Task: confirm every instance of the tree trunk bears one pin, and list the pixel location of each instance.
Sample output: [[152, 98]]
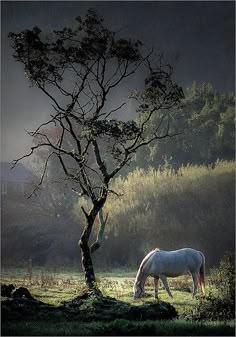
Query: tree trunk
[[87, 264], [86, 258]]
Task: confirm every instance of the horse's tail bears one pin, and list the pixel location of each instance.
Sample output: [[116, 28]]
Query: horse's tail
[[202, 275]]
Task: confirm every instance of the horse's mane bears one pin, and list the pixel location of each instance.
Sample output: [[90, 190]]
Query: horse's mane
[[147, 257]]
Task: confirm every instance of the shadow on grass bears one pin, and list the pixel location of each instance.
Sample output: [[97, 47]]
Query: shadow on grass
[[119, 327], [86, 307]]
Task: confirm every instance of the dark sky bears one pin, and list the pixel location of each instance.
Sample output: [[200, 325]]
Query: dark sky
[[201, 33]]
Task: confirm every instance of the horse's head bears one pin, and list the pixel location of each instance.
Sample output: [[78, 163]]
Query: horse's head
[[138, 290]]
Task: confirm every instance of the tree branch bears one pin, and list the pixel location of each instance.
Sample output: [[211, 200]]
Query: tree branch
[[99, 161], [98, 241], [42, 177]]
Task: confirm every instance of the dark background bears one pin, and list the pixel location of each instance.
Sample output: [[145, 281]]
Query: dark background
[[197, 37]]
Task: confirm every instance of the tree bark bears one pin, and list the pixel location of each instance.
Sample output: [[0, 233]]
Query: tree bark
[[86, 258], [87, 264]]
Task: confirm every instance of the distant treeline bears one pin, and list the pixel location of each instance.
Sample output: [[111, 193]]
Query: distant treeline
[[169, 209], [205, 126]]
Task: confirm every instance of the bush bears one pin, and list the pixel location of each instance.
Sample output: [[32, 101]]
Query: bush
[[215, 308], [223, 278], [220, 303]]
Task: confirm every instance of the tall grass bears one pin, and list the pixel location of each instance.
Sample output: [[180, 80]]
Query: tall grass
[[193, 206]]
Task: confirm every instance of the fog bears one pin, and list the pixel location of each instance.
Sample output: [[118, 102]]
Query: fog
[[198, 37]]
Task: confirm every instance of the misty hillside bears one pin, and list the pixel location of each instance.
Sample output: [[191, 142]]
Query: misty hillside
[[193, 206]]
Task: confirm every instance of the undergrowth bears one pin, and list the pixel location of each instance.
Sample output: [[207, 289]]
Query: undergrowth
[[219, 304]]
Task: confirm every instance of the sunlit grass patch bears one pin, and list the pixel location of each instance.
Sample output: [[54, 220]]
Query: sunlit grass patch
[[56, 287]]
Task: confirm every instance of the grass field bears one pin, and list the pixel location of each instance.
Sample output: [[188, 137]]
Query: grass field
[[54, 287], [120, 328]]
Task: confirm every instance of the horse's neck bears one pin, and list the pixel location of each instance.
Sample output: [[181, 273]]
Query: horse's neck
[[141, 277]]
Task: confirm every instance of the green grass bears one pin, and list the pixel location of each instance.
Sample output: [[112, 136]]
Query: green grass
[[56, 287], [119, 327]]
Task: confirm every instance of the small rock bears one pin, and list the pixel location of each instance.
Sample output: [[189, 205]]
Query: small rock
[[6, 290], [22, 292]]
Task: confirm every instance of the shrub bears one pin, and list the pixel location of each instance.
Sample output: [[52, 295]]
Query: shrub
[[223, 278], [220, 303]]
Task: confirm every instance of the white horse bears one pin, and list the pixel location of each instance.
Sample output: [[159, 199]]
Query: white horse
[[162, 264]]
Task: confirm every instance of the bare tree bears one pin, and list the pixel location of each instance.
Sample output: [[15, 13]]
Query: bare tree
[[78, 69]]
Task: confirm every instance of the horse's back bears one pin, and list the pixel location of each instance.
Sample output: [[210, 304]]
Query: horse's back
[[174, 263], [168, 263], [194, 259]]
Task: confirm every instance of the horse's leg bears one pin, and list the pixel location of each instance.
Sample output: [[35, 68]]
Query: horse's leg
[[195, 283], [165, 283], [156, 281]]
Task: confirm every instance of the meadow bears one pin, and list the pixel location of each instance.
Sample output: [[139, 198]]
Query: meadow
[[192, 201], [54, 287]]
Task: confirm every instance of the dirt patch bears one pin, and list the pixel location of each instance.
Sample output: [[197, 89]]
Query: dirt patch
[[84, 308]]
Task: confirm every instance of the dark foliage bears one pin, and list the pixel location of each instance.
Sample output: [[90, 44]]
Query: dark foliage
[[206, 127], [220, 305]]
